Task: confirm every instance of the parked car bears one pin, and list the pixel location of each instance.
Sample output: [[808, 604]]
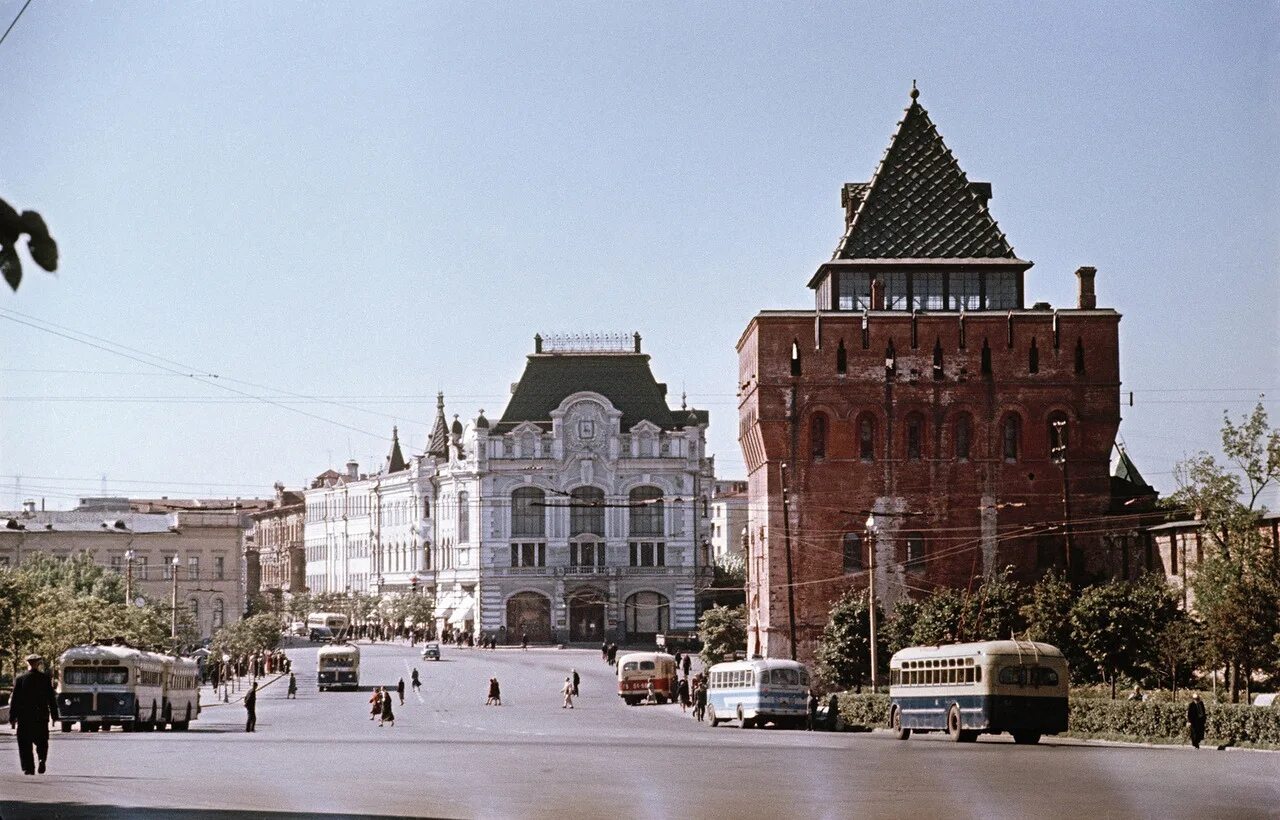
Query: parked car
[[431, 651], [298, 628], [320, 634]]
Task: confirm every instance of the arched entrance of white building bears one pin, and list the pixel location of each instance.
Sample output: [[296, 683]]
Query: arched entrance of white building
[[586, 607], [529, 613], [646, 614]]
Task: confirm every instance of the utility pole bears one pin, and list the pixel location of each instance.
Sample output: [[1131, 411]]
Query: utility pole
[[1059, 454], [173, 622], [129, 555], [871, 594]]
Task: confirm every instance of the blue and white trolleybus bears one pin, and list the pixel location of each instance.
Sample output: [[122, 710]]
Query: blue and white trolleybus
[[969, 689], [758, 691]]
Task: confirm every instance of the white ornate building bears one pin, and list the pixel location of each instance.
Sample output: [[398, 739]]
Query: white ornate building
[[582, 514]]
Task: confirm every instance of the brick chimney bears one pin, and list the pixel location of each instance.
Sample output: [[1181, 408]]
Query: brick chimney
[[1088, 300]]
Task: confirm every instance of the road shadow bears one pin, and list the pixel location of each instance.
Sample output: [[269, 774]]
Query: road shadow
[[23, 810]]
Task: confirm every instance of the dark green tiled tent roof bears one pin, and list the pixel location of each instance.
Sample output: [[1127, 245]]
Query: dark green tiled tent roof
[[624, 379], [919, 204]]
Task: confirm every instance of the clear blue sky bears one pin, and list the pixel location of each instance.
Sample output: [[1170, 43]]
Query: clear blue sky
[[373, 201]]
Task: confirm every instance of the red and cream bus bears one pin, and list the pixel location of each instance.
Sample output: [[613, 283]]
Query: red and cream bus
[[637, 669]]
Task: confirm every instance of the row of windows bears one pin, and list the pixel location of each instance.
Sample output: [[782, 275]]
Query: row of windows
[[587, 507], [854, 558], [340, 506], [933, 290], [219, 612], [769, 677], [140, 569], [591, 554], [933, 677], [914, 439]]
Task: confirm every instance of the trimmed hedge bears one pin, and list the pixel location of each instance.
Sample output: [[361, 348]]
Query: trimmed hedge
[[1231, 724]]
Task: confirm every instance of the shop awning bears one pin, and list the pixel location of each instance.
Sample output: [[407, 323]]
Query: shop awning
[[447, 604], [465, 611]]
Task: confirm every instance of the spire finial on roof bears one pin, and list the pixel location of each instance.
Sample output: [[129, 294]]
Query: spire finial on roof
[[915, 92]]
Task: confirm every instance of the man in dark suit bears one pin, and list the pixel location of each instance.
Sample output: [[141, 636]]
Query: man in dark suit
[[251, 708], [32, 708]]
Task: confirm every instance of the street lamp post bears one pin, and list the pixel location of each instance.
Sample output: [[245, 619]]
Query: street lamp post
[[871, 594], [129, 555], [173, 616], [1059, 454]]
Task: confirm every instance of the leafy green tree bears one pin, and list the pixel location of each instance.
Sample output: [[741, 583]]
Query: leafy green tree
[[723, 631], [844, 650], [247, 635], [899, 630], [940, 618], [1237, 584], [994, 611], [1117, 626]]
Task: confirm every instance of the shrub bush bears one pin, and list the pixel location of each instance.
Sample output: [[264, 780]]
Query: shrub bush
[[864, 711], [1233, 724]]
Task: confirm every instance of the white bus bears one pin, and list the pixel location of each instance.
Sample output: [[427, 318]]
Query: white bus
[[969, 689], [758, 691], [335, 622], [338, 667], [116, 685]]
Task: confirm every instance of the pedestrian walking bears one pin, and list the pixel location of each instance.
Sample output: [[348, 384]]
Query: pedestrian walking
[[576, 680], [524, 640], [400, 691], [567, 690], [415, 682], [682, 692], [293, 688], [32, 707], [700, 702], [812, 722], [251, 708], [687, 665], [386, 716], [650, 695], [604, 651], [375, 703], [495, 693], [1197, 716]]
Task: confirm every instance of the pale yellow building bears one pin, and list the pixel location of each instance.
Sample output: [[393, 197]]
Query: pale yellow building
[[207, 543]]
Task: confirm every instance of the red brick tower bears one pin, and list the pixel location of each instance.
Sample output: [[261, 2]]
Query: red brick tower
[[920, 389]]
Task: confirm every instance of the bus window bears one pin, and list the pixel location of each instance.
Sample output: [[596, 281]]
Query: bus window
[[968, 674], [1045, 677], [977, 674], [804, 678], [109, 675], [790, 677], [750, 675], [646, 665], [630, 666]]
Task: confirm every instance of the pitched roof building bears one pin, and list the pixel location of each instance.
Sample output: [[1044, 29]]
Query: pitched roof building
[[922, 389]]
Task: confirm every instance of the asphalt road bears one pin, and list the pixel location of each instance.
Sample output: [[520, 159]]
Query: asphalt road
[[449, 755]]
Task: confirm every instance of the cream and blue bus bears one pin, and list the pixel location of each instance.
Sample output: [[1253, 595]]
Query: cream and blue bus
[[758, 691], [338, 667], [105, 685], [968, 689]]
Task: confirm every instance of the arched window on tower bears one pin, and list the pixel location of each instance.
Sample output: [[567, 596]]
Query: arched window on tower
[[867, 438], [1012, 433], [1033, 357], [915, 437], [464, 519], [795, 359], [818, 436], [842, 359]]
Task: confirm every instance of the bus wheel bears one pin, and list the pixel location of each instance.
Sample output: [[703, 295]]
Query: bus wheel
[[66, 726], [1029, 738], [711, 716], [953, 724], [84, 726], [896, 722], [166, 717]]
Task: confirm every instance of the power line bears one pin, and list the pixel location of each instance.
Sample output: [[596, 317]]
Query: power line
[[14, 23]]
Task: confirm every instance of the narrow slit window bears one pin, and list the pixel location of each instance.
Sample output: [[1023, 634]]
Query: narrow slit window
[[1033, 358], [1079, 355], [818, 436], [867, 438], [795, 359], [986, 358], [937, 360], [842, 359], [963, 438], [1012, 437]]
